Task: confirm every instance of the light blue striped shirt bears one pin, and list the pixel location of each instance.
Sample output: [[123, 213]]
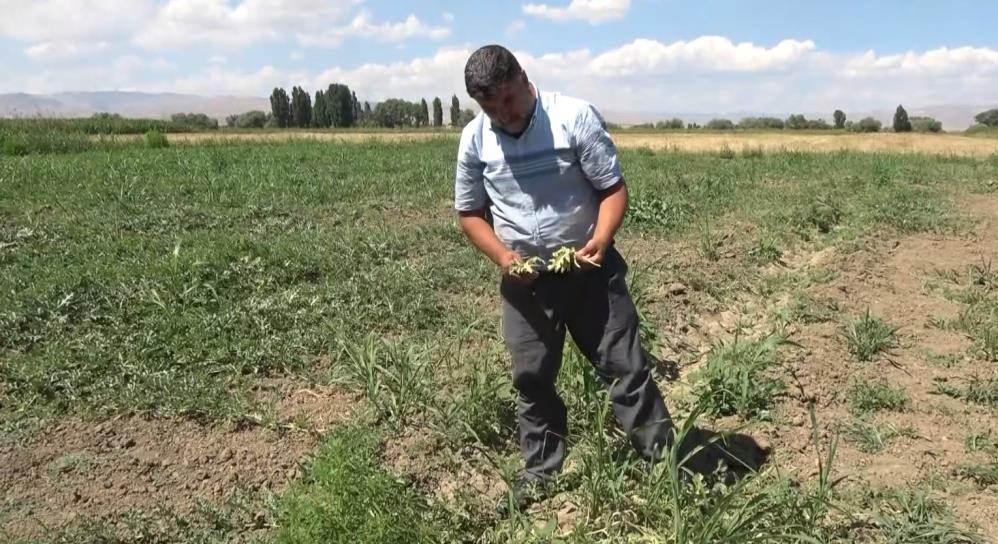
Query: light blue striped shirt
[[542, 188]]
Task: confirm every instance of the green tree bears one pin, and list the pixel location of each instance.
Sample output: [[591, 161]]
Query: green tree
[[194, 120], [672, 124], [466, 116], [320, 115], [988, 118], [760, 123], [339, 105], [395, 112], [840, 118], [796, 122], [438, 112], [867, 124], [280, 107], [720, 124], [357, 113], [455, 111], [301, 108], [925, 124], [901, 121], [424, 113], [251, 119]]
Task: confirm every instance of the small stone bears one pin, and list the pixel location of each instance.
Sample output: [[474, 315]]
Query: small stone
[[107, 484], [677, 288], [226, 455]]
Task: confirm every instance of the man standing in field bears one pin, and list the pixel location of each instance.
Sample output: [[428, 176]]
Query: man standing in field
[[537, 171]]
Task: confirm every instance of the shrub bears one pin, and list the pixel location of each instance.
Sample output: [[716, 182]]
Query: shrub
[[720, 124], [156, 140]]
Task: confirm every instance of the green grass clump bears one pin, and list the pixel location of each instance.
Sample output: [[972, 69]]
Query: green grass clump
[[737, 378], [872, 438], [874, 395], [24, 143], [978, 390], [805, 309], [983, 474], [347, 497], [868, 335], [906, 516], [156, 140]]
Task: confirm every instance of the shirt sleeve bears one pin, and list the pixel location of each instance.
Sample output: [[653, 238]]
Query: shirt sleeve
[[469, 177], [596, 150]]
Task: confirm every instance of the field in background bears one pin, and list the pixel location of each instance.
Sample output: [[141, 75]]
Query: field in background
[[695, 142], [291, 341]]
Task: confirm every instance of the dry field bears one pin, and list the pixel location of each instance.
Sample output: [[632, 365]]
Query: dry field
[[694, 142]]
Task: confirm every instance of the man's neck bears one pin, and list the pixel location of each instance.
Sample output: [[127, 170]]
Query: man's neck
[[533, 108]]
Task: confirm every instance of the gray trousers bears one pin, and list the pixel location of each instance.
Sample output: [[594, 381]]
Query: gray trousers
[[596, 308]]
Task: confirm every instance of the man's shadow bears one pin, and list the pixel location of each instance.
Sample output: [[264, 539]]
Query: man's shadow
[[724, 456]]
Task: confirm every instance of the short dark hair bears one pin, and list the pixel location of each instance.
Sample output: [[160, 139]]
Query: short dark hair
[[488, 68]]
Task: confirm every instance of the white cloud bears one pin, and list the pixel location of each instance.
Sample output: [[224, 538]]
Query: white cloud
[[516, 27], [63, 50], [362, 26], [935, 62], [592, 11], [707, 74], [439, 75], [217, 81], [218, 59], [707, 53], [123, 73], [448, 16], [296, 55], [181, 23], [71, 20]]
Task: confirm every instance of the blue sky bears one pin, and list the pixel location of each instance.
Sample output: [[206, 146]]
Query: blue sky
[[625, 55]]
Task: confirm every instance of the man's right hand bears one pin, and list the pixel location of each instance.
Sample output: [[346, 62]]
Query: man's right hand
[[507, 260]]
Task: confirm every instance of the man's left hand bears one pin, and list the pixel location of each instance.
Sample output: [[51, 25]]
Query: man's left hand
[[592, 253]]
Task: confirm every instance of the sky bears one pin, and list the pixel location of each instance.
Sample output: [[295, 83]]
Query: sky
[[623, 55]]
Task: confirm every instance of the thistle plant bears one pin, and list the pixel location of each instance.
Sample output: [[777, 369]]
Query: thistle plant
[[566, 259], [525, 268], [563, 260]]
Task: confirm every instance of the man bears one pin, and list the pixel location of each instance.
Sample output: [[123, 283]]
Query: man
[[545, 168]]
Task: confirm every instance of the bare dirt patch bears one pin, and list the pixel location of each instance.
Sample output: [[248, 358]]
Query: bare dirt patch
[[889, 278], [100, 470], [892, 278]]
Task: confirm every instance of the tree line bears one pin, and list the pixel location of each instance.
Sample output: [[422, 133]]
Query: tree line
[[337, 106], [902, 123]]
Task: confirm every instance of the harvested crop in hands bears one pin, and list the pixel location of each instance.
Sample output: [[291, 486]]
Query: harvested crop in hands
[[566, 259], [525, 268]]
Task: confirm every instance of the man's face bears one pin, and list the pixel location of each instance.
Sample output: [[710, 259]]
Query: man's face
[[509, 108]]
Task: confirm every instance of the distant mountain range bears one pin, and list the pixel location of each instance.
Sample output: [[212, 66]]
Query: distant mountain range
[[128, 104], [161, 105]]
